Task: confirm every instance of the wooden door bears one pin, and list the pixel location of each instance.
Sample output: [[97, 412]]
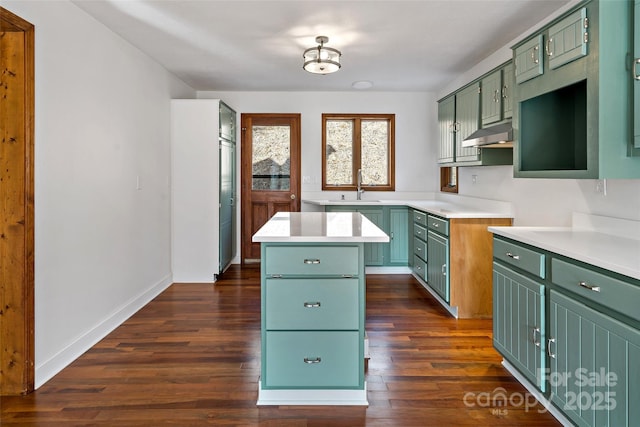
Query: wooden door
[[17, 212], [270, 173]]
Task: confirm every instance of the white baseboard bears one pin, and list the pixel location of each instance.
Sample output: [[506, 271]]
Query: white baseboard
[[49, 368], [312, 397], [387, 270]]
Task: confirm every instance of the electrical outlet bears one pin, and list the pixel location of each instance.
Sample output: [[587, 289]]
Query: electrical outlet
[[474, 178], [601, 187]]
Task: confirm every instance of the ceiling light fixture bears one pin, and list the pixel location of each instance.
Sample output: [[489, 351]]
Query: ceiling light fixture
[[321, 59]]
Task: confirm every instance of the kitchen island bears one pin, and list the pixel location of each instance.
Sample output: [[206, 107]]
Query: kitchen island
[[313, 308]]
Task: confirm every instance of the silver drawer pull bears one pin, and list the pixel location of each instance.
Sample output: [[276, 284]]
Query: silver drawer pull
[[590, 287], [510, 255], [312, 304], [435, 224], [312, 261], [549, 342], [535, 331], [311, 361], [419, 249]]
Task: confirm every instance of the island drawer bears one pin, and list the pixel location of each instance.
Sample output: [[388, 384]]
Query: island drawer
[[420, 218], [311, 260], [312, 359], [612, 293], [419, 266], [519, 256], [312, 304], [420, 248], [420, 232], [439, 225]]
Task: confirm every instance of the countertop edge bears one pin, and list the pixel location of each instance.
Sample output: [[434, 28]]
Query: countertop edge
[[520, 234]]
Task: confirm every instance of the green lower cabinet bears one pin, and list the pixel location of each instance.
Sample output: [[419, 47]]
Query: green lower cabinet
[[322, 358], [398, 233], [594, 373], [438, 265], [374, 252], [518, 322], [394, 221]]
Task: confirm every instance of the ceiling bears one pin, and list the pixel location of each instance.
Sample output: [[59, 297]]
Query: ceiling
[[239, 45]]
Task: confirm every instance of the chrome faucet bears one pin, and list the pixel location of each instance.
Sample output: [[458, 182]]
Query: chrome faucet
[[359, 190]]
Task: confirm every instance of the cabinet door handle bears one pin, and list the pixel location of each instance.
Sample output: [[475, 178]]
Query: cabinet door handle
[[535, 331], [444, 269], [549, 342], [391, 235], [505, 88], [534, 56], [311, 261], [548, 47], [636, 74], [311, 361], [588, 286], [496, 97], [311, 304], [510, 255]]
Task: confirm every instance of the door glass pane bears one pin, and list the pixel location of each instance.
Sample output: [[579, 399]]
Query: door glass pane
[[339, 149], [375, 152], [271, 160]]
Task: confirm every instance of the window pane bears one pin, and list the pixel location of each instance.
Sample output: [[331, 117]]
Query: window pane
[[270, 158], [375, 152], [339, 149]]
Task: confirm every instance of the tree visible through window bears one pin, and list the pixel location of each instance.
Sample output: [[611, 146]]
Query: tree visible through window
[[352, 142]]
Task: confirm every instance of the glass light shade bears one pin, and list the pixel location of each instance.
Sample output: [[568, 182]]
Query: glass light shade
[[321, 60]]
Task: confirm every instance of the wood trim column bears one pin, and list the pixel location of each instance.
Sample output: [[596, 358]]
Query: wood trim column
[[17, 372]]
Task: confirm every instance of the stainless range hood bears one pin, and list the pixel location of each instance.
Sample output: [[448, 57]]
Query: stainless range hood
[[499, 134]]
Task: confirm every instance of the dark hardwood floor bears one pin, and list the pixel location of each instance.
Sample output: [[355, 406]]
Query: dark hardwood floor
[[192, 357]]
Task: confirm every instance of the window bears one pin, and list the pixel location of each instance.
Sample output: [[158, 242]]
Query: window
[[352, 142], [449, 179]]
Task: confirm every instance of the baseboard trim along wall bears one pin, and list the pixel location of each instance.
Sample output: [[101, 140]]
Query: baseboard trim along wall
[[48, 369]]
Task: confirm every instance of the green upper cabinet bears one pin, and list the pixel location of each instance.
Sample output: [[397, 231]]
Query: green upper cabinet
[[468, 119], [446, 124], [485, 101], [528, 59], [491, 98], [568, 39], [573, 114], [636, 75], [496, 95]]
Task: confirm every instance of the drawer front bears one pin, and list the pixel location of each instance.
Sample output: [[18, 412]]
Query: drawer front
[[439, 225], [420, 248], [615, 294], [313, 359], [312, 260], [519, 256], [419, 266], [312, 304], [420, 232], [420, 217]]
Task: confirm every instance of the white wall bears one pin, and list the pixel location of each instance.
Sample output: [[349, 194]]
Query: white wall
[[101, 121], [415, 169]]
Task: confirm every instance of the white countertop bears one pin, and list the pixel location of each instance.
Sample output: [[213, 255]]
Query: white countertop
[[437, 207], [319, 227], [599, 247]]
